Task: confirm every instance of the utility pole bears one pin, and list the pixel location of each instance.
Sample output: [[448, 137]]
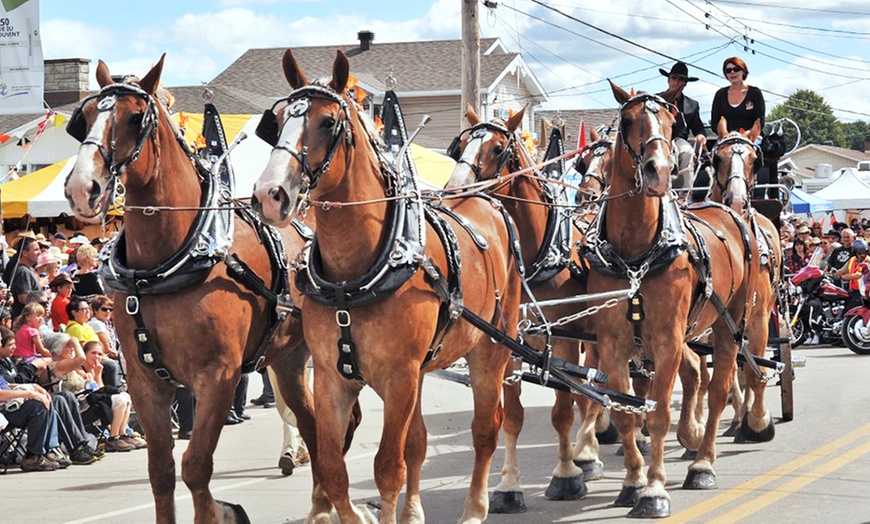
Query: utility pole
[[470, 59]]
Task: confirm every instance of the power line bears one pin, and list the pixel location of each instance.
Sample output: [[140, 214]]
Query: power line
[[811, 9]]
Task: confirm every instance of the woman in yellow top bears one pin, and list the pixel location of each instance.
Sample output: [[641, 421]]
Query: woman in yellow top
[[79, 312]]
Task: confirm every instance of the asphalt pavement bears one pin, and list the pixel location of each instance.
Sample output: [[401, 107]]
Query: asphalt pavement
[[817, 468]]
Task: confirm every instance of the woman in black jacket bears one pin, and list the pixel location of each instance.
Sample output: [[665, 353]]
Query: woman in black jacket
[[740, 103]]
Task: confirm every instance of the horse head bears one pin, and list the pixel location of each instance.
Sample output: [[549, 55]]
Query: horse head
[[115, 127], [312, 134], [593, 164], [734, 162], [484, 150], [643, 145]]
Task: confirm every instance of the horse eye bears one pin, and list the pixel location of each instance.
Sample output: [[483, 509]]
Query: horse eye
[[136, 119], [328, 122], [625, 123], [498, 150]]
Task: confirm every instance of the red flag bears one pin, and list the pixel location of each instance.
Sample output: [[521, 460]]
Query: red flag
[[581, 140]]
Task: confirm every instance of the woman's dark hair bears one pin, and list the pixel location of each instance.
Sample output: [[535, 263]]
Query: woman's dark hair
[[74, 302]]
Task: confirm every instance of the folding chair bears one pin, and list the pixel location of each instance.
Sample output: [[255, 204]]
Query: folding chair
[[11, 445]]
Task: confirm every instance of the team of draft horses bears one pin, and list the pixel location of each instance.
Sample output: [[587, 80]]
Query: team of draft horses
[[386, 284]]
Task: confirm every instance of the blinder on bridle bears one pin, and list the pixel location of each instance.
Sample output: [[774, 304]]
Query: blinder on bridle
[[478, 132], [651, 103], [106, 100], [298, 104]]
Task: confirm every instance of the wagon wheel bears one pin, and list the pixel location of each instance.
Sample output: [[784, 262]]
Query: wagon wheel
[[787, 377]]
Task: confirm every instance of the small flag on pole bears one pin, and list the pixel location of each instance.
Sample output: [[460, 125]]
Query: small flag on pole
[[581, 139]]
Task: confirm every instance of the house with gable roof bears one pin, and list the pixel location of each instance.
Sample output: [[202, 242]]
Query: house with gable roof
[[426, 75]]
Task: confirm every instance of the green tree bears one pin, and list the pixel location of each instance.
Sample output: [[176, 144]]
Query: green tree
[[855, 134], [814, 116]]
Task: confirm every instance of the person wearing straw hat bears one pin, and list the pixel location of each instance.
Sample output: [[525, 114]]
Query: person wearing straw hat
[[678, 78]]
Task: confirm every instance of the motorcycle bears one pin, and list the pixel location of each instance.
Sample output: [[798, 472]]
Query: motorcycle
[[817, 307], [856, 326]]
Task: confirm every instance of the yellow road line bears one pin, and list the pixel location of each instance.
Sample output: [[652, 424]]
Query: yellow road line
[[753, 484], [762, 501]]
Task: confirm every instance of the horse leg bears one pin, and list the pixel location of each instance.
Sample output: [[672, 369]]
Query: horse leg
[[415, 454], [290, 377], [486, 365], [153, 400], [334, 400], [757, 424], [740, 400], [689, 430], [653, 500], [595, 424], [568, 481], [214, 396], [508, 494], [701, 474]]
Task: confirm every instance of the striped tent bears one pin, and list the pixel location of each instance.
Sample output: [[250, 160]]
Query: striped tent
[[40, 194]]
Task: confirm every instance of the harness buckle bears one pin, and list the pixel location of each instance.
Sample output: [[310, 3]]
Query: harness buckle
[[132, 305], [342, 318]]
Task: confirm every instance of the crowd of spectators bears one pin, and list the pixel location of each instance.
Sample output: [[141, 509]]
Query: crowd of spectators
[[61, 365]]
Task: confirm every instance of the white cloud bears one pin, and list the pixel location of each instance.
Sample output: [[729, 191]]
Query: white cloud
[[70, 38]]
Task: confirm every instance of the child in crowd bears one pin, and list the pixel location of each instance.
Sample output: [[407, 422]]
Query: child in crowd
[[28, 340]]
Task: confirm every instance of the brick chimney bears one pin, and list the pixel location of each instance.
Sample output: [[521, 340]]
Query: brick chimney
[[365, 39], [66, 80]]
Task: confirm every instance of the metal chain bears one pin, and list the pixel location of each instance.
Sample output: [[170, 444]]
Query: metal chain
[[646, 408], [591, 310]]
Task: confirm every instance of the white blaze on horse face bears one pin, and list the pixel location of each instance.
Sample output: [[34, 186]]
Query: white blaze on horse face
[[462, 173], [89, 165], [277, 171], [737, 181]]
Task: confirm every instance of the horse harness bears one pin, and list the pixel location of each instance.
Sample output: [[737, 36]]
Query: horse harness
[[208, 242]]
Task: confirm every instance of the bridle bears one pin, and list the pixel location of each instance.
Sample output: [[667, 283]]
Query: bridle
[[739, 147], [652, 104], [479, 132], [298, 106], [107, 100], [599, 149]]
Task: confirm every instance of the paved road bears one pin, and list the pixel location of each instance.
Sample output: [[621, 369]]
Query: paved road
[[816, 470]]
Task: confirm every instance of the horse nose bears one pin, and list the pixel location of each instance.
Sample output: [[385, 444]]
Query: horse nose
[[94, 194]]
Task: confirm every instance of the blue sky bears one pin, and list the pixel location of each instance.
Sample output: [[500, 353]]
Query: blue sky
[[825, 47]]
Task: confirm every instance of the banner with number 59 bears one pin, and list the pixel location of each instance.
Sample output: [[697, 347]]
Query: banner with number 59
[[22, 72]]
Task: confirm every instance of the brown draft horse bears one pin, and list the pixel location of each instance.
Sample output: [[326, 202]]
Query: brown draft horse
[[205, 331], [630, 238], [593, 164], [734, 161], [483, 152], [323, 145]]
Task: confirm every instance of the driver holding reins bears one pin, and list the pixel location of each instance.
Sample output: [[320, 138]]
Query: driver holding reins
[[678, 77]]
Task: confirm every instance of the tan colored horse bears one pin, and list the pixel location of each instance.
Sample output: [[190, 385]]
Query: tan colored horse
[[324, 147], [484, 152], [204, 331], [629, 238], [734, 161]]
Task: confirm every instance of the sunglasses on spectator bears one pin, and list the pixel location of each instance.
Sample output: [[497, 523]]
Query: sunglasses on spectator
[[729, 70], [107, 309]]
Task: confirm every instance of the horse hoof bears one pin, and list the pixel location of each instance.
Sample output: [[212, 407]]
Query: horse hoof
[[238, 512], [592, 469], [628, 497], [642, 446], [651, 508], [507, 502], [732, 429], [696, 479], [689, 455], [749, 435], [609, 435], [571, 488]]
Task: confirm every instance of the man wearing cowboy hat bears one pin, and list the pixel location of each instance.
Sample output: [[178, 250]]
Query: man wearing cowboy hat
[[678, 77]]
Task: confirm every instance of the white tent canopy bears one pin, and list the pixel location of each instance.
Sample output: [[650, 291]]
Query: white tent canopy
[[847, 191]]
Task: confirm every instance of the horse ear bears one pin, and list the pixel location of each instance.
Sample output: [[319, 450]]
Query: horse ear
[[722, 127], [340, 72], [292, 72], [514, 122], [618, 93], [103, 76], [152, 79], [593, 135], [471, 114], [756, 130]]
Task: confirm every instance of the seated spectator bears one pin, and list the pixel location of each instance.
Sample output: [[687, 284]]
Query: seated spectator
[[121, 403], [80, 313], [88, 283], [28, 339], [102, 309], [62, 286], [31, 408], [71, 429], [47, 267]]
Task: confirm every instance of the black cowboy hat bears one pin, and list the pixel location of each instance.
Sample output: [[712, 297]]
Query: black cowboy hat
[[679, 70]]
